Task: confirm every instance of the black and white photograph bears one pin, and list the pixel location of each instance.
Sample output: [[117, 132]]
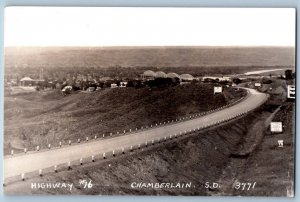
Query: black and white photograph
[[167, 101]]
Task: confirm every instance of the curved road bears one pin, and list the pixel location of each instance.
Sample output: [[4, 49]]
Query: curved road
[[26, 163]]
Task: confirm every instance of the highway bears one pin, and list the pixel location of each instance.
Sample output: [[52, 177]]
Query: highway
[[16, 165]]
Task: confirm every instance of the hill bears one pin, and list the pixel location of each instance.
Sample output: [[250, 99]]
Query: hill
[[147, 56], [41, 118], [201, 158]]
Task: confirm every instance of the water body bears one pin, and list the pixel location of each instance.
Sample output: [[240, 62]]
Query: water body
[[261, 71]]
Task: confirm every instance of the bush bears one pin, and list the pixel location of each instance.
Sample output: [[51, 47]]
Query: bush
[[266, 81], [236, 80]]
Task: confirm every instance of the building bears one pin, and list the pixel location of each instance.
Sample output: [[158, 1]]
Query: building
[[27, 81], [173, 75], [186, 77], [160, 74], [113, 85], [221, 78], [123, 84], [91, 89], [148, 75]]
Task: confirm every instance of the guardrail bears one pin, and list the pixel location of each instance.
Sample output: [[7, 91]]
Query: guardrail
[[123, 150], [60, 144]]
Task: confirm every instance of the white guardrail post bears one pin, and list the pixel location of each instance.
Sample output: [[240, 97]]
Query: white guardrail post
[[146, 143]]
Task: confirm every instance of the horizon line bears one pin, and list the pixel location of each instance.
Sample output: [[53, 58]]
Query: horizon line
[[149, 46]]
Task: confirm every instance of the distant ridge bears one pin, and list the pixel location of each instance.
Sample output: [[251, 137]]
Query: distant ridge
[[148, 56]]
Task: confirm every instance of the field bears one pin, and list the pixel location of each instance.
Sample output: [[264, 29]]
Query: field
[[130, 62], [44, 117]]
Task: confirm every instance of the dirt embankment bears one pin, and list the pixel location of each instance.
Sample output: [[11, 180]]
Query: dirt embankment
[[270, 166], [267, 165], [196, 159]]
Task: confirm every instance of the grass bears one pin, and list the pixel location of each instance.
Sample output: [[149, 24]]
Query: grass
[[271, 167], [196, 159], [41, 118]]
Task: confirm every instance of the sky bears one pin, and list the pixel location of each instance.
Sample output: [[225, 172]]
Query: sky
[[108, 26]]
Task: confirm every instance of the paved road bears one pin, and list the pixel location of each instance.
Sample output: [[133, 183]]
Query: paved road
[[26, 163]]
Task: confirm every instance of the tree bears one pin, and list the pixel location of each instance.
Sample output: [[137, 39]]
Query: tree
[[288, 74], [236, 80]]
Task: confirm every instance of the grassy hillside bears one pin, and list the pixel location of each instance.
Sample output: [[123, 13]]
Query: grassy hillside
[[46, 117], [277, 165], [208, 156], [197, 159]]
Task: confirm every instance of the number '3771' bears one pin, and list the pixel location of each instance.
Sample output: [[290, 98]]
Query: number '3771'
[[244, 185]]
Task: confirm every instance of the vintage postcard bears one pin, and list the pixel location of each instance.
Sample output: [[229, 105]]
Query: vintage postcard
[[149, 101]]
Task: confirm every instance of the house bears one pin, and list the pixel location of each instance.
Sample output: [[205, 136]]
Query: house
[[91, 89], [113, 85], [123, 84], [27, 81]]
